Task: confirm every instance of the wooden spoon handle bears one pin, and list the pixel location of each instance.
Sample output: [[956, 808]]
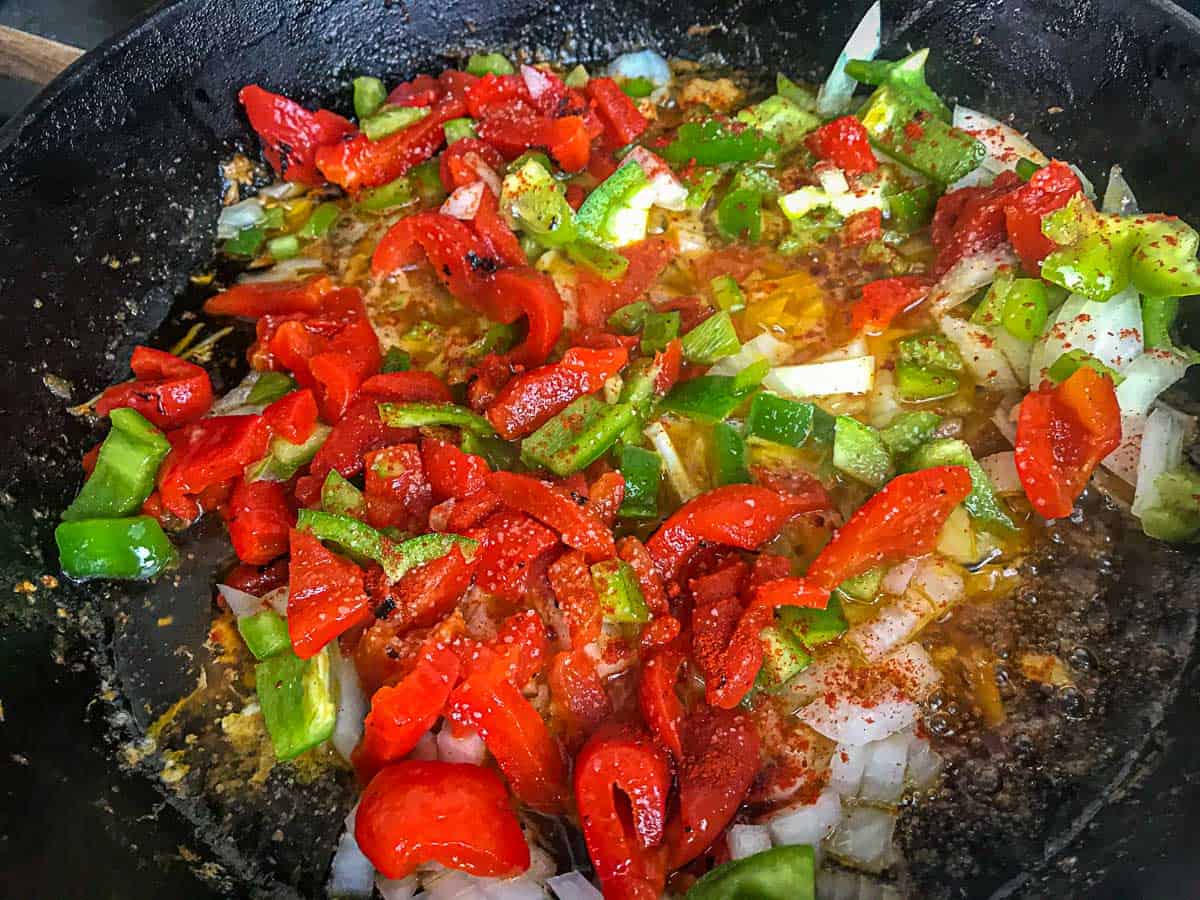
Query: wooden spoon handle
[[28, 57]]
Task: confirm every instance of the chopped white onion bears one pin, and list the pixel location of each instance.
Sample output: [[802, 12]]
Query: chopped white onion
[[642, 64], [1162, 450], [1111, 331], [846, 768], [831, 178], [1148, 376], [924, 764], [834, 97], [464, 202], [1005, 420], [1005, 145], [284, 270], [351, 874], [677, 473], [746, 840], [1089, 189], [883, 405], [890, 628], [536, 81], [807, 823], [846, 721], [898, 576], [967, 276], [573, 886], [981, 354], [845, 376], [883, 772], [397, 888], [240, 216], [857, 347], [352, 705], [765, 346], [513, 889], [1118, 196], [485, 172], [277, 600], [1123, 462], [666, 190], [234, 401], [1016, 351], [864, 838], [426, 748], [451, 884], [939, 582], [1001, 470], [240, 603], [466, 749], [281, 190], [913, 670]]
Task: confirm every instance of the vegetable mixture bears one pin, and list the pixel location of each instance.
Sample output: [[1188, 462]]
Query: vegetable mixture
[[610, 439]]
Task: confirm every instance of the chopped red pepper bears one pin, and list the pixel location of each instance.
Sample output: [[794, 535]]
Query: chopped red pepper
[[424, 90], [885, 299], [624, 848], [659, 703], [1048, 189], [532, 398], [293, 416], [1062, 435], [492, 91], [424, 594], [576, 594], [501, 243], [456, 253], [291, 135], [598, 297], [271, 298], [844, 142], [459, 165], [863, 227], [258, 580], [398, 493], [519, 649], [169, 391], [509, 543], [970, 220], [622, 120], [579, 526], [260, 519], [451, 472], [206, 454], [634, 552], [669, 363], [325, 595], [535, 295], [578, 693], [605, 496], [456, 814], [900, 521], [470, 512]]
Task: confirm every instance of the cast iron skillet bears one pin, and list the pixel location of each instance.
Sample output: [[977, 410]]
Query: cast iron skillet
[[109, 190]]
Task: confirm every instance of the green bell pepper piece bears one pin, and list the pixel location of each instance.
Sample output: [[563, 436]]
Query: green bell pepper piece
[[390, 119], [801, 96], [369, 94], [284, 459], [1067, 365], [727, 294], [863, 588], [658, 330], [983, 503], [459, 129], [916, 384], [1175, 513], [577, 78], [594, 218], [630, 318], [285, 246], [911, 209], [619, 593], [902, 129], [604, 262], [783, 658], [637, 88], [740, 214], [906, 76], [709, 398], [990, 311], [930, 351], [781, 120], [781, 873], [269, 387], [908, 431], [498, 338], [711, 143], [246, 242], [642, 471], [480, 64], [814, 627], [297, 699], [396, 359], [1026, 168], [362, 541], [1026, 308], [789, 422], [125, 469], [577, 436], [128, 548], [1158, 315], [319, 221], [265, 633], [701, 185], [859, 451], [1164, 263], [341, 498], [400, 192], [729, 455], [418, 415], [711, 340], [497, 452], [535, 204]]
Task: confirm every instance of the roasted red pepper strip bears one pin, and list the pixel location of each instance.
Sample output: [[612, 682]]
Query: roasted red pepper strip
[[532, 398], [597, 297], [492, 91], [634, 552], [169, 391], [579, 526], [425, 594], [271, 298], [501, 242], [207, 454], [260, 519], [572, 583], [459, 164], [509, 543], [1062, 435], [659, 703], [516, 127], [627, 857], [622, 120], [844, 142], [720, 760], [535, 295], [885, 299], [460, 815], [456, 253], [397, 492], [291, 135], [669, 363], [424, 90], [1048, 189], [451, 472], [258, 580], [325, 595], [401, 713], [605, 496], [472, 511], [578, 693], [862, 228], [970, 220], [515, 735], [900, 521], [736, 515], [293, 416]]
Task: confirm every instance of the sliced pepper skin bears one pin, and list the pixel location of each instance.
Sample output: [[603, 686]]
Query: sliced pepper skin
[[457, 814], [169, 391], [532, 398], [629, 861], [579, 526], [884, 299], [660, 705], [1062, 435], [902, 520], [326, 595], [598, 297], [291, 135]]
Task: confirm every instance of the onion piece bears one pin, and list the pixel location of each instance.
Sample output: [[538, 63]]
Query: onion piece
[[913, 670], [1110, 331], [665, 189], [1162, 450], [233, 402], [573, 886], [240, 216], [1123, 462], [834, 97], [677, 473], [939, 583], [1005, 420], [883, 772], [1005, 145], [746, 840], [239, 602], [924, 764], [464, 202], [642, 64], [981, 354], [351, 708], [898, 576], [1001, 470], [765, 346], [1118, 196], [967, 276], [1016, 351], [284, 270], [844, 376], [426, 748], [883, 405], [846, 721], [281, 190], [397, 889], [536, 81], [277, 600], [807, 823], [846, 769], [351, 873], [451, 884], [894, 624], [864, 838], [1147, 377], [466, 749], [1089, 189]]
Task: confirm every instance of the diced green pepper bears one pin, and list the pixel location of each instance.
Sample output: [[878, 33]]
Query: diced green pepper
[[272, 218], [285, 246], [711, 143], [361, 540], [459, 129], [270, 387], [319, 221], [729, 455], [284, 459], [498, 338], [388, 196], [781, 120], [1025, 308], [536, 205], [727, 294], [983, 503], [341, 498], [604, 262], [1175, 513], [1067, 364], [709, 398], [577, 78], [577, 436], [129, 548], [753, 375], [481, 64], [246, 242], [711, 340], [638, 87], [908, 431], [265, 633], [297, 700], [658, 330], [369, 94], [700, 187], [858, 451], [907, 76], [426, 181], [1158, 315], [1026, 168], [125, 470], [740, 214], [396, 359], [930, 351], [497, 452], [598, 217], [619, 593], [863, 588], [630, 318], [642, 471], [391, 119], [911, 209], [418, 415], [781, 873], [784, 657], [814, 627], [900, 128], [915, 384], [990, 311], [789, 422]]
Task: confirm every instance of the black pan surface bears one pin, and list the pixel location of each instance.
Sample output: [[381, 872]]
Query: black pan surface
[[109, 191]]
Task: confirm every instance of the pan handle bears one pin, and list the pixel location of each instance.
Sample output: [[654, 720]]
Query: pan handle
[[29, 57]]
